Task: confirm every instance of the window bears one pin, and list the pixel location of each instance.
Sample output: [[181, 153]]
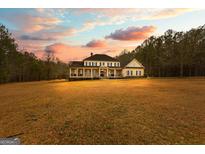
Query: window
[[85, 63], [89, 63], [128, 73], [100, 63], [139, 73], [108, 64], [111, 64], [114, 64], [136, 73], [103, 64]]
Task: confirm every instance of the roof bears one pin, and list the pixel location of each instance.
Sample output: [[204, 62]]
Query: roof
[[76, 63], [100, 57], [124, 63]]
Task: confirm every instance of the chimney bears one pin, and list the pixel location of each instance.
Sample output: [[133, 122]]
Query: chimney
[[91, 54]]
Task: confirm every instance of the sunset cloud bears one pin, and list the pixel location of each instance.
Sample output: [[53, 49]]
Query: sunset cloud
[[135, 14], [51, 35], [132, 33], [37, 30], [96, 44], [35, 23], [67, 52], [30, 23], [35, 38], [168, 13]]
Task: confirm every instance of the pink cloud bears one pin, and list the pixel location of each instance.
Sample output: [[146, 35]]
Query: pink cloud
[[96, 44], [67, 52], [54, 34], [29, 23], [109, 11], [168, 13], [132, 33], [134, 14]]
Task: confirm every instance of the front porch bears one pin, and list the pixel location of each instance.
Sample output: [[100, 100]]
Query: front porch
[[95, 73]]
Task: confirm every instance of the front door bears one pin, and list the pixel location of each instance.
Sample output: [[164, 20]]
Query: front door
[[103, 73]]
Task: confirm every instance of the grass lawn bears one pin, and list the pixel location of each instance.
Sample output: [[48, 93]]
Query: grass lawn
[[135, 111]]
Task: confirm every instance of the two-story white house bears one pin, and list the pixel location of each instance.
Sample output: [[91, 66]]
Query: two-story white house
[[103, 66]]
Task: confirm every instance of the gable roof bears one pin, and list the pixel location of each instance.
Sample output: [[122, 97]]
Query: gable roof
[[76, 63], [125, 63], [100, 57]]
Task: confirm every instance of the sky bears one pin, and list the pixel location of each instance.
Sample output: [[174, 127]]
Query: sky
[[72, 34]]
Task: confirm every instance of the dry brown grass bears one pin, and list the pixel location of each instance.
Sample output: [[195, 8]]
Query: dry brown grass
[[140, 111]]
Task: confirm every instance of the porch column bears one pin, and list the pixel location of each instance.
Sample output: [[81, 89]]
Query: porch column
[[114, 73], [91, 72], [77, 72], [70, 72], [83, 72]]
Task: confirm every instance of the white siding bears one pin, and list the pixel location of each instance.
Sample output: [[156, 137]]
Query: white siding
[[133, 68], [135, 72], [134, 63], [100, 63]]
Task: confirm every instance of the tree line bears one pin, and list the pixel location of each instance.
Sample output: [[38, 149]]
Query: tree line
[[171, 54], [18, 66]]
